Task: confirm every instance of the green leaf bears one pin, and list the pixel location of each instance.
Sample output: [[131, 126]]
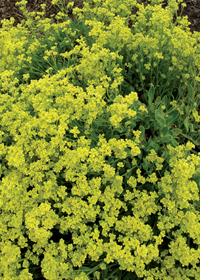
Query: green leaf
[[128, 165], [145, 164], [176, 131], [166, 139], [62, 44], [133, 124], [193, 141], [160, 117], [92, 145], [166, 131], [152, 108], [186, 123], [59, 65], [139, 117], [164, 100], [109, 134], [158, 101], [147, 122], [151, 144], [85, 268], [191, 92], [157, 126], [172, 117], [140, 155], [151, 95], [128, 174], [132, 88], [175, 143], [142, 129]]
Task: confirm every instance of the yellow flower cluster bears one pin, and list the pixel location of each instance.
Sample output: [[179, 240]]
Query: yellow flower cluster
[[64, 157], [153, 158]]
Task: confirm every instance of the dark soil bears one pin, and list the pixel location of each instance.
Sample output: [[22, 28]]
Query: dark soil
[[8, 10]]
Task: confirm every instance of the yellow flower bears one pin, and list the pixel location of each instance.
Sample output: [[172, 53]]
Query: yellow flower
[[137, 133], [26, 76], [152, 178], [143, 109], [75, 131], [103, 266], [147, 66], [132, 182], [197, 79], [163, 76], [120, 164]]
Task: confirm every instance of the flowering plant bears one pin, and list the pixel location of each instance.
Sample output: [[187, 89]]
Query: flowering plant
[[100, 145]]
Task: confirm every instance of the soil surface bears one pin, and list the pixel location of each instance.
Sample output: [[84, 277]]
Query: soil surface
[[8, 10]]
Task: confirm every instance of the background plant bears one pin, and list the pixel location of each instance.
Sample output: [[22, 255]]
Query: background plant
[[86, 158]]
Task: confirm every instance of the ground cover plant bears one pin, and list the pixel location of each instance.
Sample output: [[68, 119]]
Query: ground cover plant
[[100, 144]]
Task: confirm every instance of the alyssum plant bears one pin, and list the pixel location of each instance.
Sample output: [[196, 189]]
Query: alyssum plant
[[98, 178]]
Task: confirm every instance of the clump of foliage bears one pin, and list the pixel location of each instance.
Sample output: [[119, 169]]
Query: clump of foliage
[[99, 144]]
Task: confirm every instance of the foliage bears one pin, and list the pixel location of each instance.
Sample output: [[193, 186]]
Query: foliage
[[95, 121]]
